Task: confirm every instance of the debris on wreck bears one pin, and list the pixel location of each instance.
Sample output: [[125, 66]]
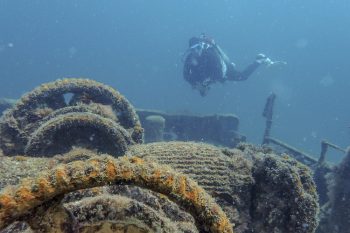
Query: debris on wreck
[[217, 129]]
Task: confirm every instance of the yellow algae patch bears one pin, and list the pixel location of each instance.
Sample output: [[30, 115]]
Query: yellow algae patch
[[126, 173], [24, 194], [43, 186], [7, 201], [111, 172], [181, 185], [61, 176], [169, 181], [157, 174], [193, 194], [136, 160]]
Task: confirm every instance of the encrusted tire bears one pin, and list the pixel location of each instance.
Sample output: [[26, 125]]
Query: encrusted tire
[[19, 200], [61, 133], [58, 97]]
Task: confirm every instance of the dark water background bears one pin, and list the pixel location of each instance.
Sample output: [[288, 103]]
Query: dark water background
[[136, 47]]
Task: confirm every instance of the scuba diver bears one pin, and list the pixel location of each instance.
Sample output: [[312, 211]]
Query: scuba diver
[[205, 63]]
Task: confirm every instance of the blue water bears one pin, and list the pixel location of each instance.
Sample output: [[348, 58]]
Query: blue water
[[136, 47]]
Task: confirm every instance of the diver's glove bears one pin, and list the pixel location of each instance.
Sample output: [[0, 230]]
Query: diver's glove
[[262, 59]]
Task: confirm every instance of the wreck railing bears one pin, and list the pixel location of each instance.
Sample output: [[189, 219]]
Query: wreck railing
[[296, 153]]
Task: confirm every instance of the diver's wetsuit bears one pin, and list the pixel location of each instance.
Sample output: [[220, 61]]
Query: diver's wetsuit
[[205, 63]]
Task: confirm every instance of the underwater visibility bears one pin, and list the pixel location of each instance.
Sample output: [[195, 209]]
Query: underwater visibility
[[174, 117]]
